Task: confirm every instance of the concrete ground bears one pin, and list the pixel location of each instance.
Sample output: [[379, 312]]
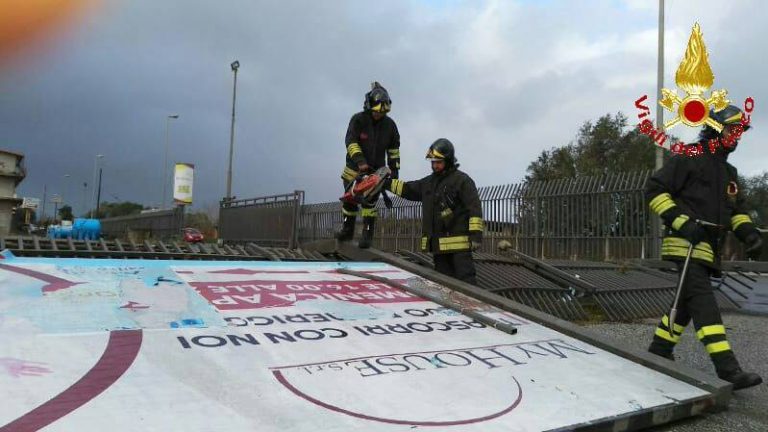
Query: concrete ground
[[748, 335]]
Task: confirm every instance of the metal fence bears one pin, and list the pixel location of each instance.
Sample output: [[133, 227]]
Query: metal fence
[[599, 218], [159, 225], [602, 217], [268, 221]]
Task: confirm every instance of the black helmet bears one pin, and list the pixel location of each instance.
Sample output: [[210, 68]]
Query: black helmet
[[377, 99], [442, 149], [728, 115]]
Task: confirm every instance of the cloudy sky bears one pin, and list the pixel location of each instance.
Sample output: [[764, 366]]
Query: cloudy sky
[[502, 79]]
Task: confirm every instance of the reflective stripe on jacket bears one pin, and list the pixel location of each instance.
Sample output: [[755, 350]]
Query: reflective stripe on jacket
[[701, 187], [452, 216]]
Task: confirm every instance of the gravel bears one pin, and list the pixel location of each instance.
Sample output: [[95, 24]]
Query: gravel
[[748, 336]]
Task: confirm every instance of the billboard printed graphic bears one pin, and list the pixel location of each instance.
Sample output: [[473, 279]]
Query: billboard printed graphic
[[183, 181], [196, 346]]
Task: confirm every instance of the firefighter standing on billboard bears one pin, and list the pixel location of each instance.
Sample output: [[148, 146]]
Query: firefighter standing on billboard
[[703, 187], [452, 218], [372, 139]]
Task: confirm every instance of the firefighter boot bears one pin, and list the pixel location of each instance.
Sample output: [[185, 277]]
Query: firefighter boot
[[347, 231], [367, 237], [662, 348], [728, 369]]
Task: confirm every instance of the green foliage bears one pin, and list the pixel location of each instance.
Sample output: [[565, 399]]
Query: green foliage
[[203, 222], [755, 190], [199, 220], [110, 210], [599, 148], [65, 213]]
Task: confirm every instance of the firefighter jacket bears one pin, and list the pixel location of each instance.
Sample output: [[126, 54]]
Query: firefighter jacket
[[452, 217], [705, 187], [370, 142]]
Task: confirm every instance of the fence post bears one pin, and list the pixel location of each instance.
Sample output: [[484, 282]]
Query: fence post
[[298, 197]]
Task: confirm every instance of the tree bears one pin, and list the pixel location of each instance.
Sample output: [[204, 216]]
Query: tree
[[756, 197], [600, 148], [110, 210], [65, 213], [203, 222], [605, 146]]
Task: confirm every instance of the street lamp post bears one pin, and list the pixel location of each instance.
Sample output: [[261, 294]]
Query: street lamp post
[[93, 194], [165, 164], [67, 192], [85, 195], [235, 65]]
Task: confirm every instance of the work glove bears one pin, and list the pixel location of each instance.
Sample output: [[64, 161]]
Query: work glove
[[475, 241], [693, 232], [754, 243], [387, 184], [363, 168]]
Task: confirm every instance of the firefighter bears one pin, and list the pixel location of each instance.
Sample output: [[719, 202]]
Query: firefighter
[[452, 218], [372, 138], [703, 186]]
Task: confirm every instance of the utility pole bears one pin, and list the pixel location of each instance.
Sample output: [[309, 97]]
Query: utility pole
[[45, 191], [85, 194], [93, 194], [98, 195], [656, 233], [235, 65], [165, 164], [659, 85]]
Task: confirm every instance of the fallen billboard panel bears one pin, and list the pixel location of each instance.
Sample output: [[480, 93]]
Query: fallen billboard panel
[[125, 345]]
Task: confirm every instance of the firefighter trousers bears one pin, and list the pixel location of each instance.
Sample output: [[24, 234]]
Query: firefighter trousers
[[458, 265], [697, 303]]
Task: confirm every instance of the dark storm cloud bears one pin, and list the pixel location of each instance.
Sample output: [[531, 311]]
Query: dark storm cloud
[[503, 80]]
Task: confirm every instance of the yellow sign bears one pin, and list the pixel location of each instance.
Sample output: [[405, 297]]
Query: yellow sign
[[183, 179]]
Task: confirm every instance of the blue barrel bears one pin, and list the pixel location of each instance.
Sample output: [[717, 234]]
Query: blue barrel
[[64, 231], [89, 229], [59, 232]]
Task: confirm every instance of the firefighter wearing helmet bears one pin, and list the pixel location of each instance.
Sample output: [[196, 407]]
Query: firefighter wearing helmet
[[372, 142], [452, 218], [698, 198]]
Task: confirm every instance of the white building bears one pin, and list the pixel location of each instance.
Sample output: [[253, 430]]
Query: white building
[[12, 172]]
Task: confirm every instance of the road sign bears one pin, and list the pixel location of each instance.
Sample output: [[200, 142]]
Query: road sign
[[30, 203]]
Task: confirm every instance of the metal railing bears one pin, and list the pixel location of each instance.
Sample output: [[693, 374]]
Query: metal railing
[[598, 218], [157, 225], [269, 221]]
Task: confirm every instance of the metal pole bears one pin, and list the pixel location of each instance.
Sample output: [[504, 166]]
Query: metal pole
[[660, 84], [235, 65], [45, 191], [165, 163], [656, 233], [98, 195], [93, 194], [85, 195]]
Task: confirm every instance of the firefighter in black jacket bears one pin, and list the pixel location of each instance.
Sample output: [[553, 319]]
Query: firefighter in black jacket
[[371, 137], [452, 219], [704, 187]]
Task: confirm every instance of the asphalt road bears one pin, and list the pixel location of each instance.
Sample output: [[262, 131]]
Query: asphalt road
[[748, 335]]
